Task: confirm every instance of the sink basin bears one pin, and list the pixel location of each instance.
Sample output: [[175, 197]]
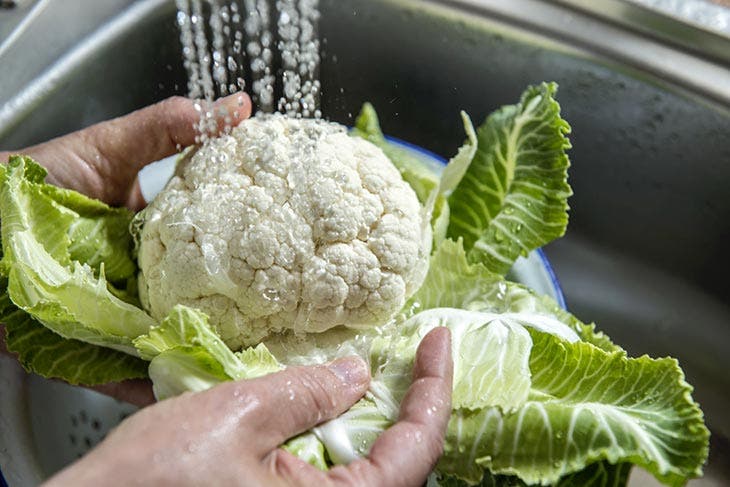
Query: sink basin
[[645, 256]]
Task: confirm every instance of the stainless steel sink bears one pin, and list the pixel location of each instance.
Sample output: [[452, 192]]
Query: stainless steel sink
[[645, 256]]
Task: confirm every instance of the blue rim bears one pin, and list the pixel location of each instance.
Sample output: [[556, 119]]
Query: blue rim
[[559, 296], [417, 148], [3, 483]]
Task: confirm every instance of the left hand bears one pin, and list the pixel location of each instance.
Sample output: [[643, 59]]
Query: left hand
[[102, 161]]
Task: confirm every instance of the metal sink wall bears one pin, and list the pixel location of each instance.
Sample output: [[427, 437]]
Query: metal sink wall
[[645, 256]]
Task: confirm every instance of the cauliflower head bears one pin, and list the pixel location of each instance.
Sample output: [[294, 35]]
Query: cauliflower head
[[284, 224]]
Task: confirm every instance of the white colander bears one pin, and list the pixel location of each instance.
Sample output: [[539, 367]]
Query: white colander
[[45, 425]]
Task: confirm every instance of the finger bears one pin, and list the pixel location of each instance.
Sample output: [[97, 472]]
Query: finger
[[161, 130], [146, 135], [134, 391], [135, 199], [408, 451], [299, 398], [102, 161]]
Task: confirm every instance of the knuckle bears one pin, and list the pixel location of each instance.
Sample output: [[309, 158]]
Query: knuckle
[[357, 474], [315, 388], [175, 107], [176, 102], [435, 447]]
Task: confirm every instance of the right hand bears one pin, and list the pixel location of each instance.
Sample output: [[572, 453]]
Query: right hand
[[231, 434]]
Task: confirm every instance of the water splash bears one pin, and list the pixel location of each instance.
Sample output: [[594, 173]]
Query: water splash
[[221, 38], [259, 42]]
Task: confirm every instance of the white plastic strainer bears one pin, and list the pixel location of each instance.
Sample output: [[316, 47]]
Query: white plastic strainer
[[69, 421], [45, 425]]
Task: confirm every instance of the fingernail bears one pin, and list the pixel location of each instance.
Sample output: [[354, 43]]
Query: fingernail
[[350, 370]]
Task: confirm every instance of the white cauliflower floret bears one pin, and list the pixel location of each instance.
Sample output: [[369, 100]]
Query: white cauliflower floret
[[285, 224]]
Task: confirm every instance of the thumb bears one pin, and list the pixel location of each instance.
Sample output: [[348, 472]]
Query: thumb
[[160, 130], [299, 398]]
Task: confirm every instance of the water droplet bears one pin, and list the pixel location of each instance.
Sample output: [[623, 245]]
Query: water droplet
[[501, 291], [213, 51], [271, 294]]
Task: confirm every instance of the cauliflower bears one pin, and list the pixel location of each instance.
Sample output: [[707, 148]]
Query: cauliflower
[[284, 224]]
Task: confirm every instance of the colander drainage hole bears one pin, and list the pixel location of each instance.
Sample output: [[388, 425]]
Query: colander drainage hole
[[88, 432]]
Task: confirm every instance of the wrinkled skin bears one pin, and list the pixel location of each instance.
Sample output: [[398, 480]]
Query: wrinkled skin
[[230, 435], [102, 161]]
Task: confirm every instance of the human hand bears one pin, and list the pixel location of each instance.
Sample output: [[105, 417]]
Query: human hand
[[102, 161], [230, 435]]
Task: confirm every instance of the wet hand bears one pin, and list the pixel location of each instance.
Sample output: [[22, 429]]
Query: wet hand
[[102, 161], [230, 435]]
